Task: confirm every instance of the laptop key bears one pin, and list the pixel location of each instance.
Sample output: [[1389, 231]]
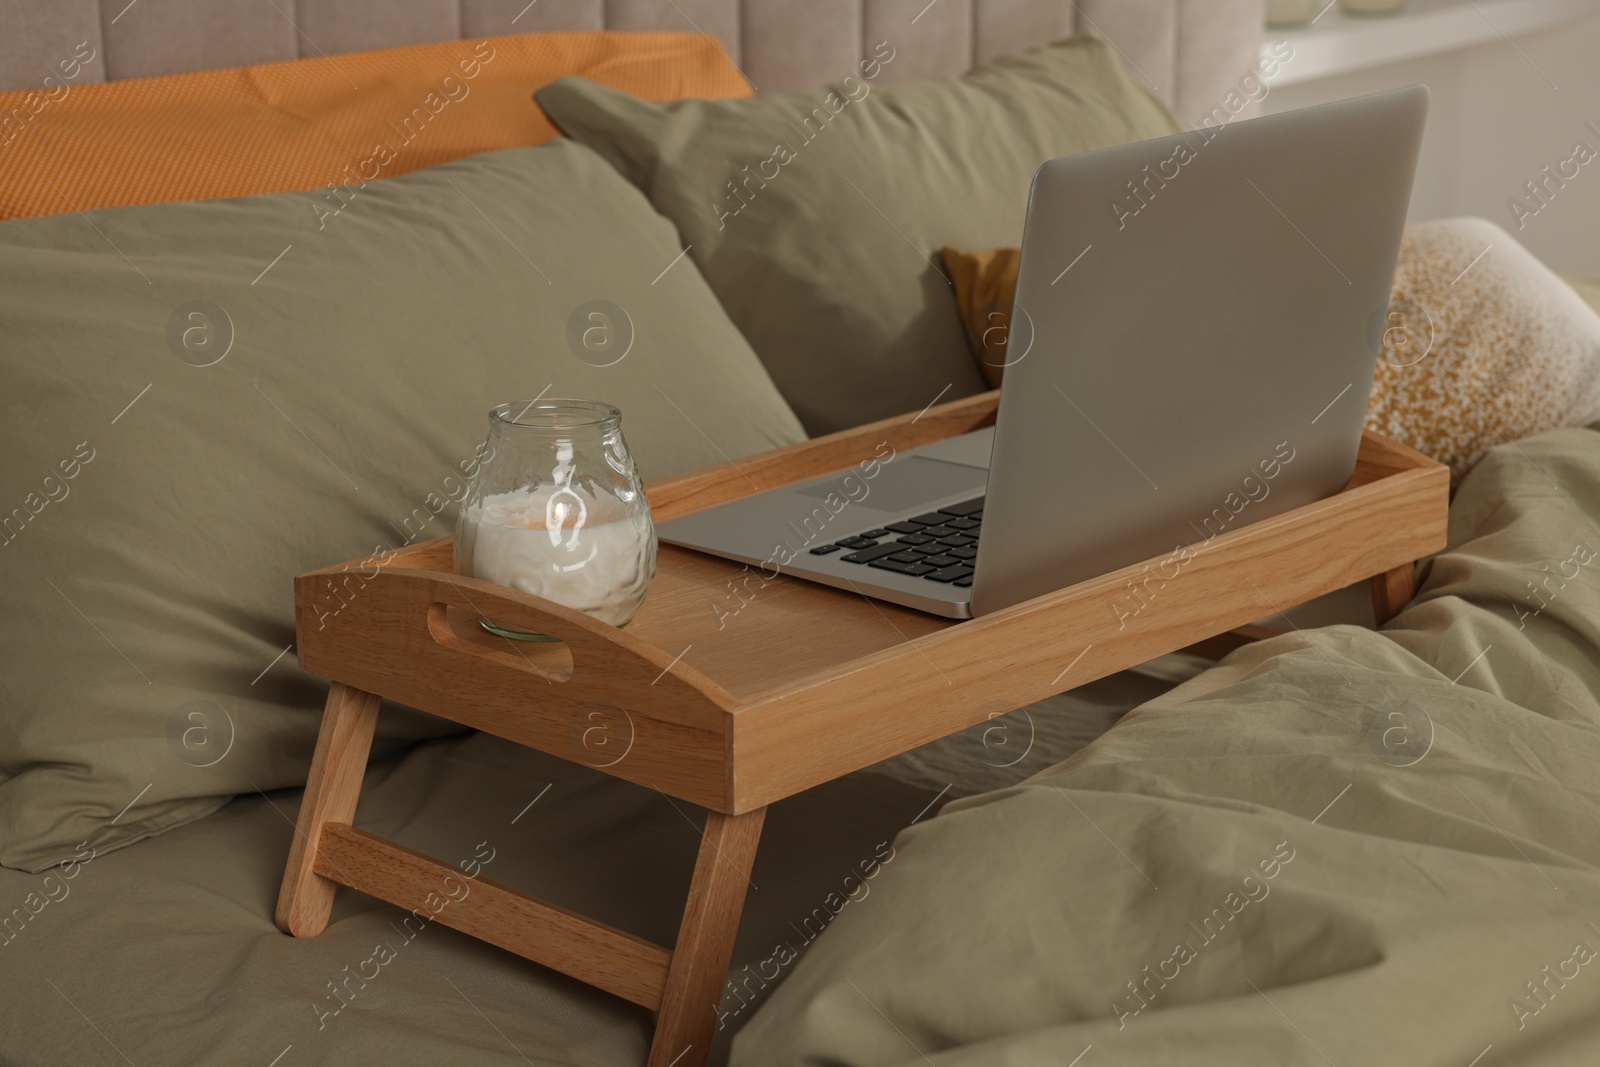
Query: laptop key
[[914, 538], [951, 574], [963, 553], [963, 524], [958, 541], [967, 581], [823, 550], [940, 531], [867, 555], [916, 570], [906, 557], [964, 509], [873, 535], [906, 527], [932, 548], [941, 561], [932, 518]]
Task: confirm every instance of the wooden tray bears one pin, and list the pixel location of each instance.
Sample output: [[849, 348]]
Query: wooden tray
[[732, 689]]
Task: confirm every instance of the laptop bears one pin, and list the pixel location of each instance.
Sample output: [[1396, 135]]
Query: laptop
[[1191, 349]]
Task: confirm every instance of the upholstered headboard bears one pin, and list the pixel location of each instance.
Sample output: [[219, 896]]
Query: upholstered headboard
[[1191, 51]]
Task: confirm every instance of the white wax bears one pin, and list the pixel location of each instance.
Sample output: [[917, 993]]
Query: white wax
[[564, 545]]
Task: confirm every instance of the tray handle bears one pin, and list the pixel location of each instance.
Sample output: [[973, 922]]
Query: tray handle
[[400, 607]]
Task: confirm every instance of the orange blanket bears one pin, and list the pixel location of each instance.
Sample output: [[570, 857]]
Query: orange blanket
[[311, 123]]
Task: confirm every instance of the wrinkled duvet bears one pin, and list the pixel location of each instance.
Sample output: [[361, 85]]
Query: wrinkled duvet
[[1337, 847]]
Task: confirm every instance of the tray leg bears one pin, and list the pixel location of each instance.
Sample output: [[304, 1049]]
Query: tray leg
[[306, 898], [1392, 591], [705, 939]]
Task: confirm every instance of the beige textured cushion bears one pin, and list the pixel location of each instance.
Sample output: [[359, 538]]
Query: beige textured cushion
[[1483, 344], [817, 215], [155, 510]]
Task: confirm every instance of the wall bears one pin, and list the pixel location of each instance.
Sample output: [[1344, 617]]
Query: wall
[[1495, 121]]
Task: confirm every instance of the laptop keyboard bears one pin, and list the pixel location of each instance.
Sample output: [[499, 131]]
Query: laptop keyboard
[[937, 545]]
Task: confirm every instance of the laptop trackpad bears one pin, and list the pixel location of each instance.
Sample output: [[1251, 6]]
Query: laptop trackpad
[[903, 484]]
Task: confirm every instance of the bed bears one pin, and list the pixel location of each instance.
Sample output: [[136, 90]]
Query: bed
[[166, 951]]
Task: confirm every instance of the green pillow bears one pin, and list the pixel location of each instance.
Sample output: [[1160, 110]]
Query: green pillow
[[204, 399], [817, 215]]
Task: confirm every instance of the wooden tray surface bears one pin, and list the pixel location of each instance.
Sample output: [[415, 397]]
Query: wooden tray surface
[[769, 686]]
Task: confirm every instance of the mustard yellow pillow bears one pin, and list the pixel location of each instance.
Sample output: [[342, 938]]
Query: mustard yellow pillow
[[985, 283], [1482, 343]]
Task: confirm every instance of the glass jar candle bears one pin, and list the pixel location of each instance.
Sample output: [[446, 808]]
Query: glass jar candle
[[557, 510]]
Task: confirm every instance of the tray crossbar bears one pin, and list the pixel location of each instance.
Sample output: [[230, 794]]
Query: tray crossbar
[[592, 952], [807, 683]]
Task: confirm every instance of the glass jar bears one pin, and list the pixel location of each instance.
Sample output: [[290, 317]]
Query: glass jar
[[557, 510]]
